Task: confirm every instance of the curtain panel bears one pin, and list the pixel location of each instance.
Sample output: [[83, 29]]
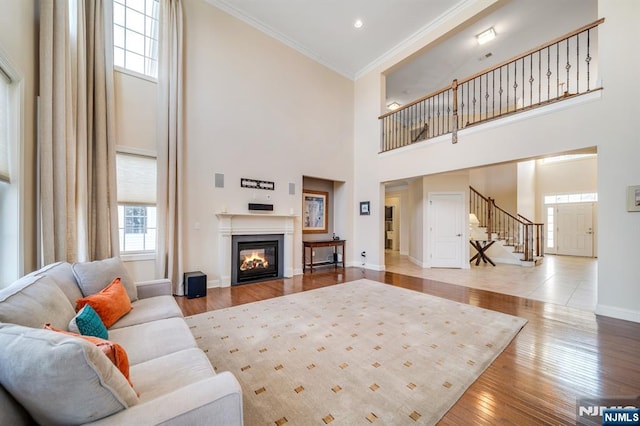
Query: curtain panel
[[170, 143], [78, 204]]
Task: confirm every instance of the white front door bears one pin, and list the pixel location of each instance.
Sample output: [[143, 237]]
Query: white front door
[[575, 229], [446, 226]]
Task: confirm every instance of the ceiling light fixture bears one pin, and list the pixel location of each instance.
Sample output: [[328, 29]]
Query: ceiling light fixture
[[393, 106], [358, 24], [486, 36]]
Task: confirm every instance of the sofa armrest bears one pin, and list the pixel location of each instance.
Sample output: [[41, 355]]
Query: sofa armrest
[[152, 288], [216, 400]]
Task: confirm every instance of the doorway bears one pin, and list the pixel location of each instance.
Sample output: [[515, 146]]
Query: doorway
[[446, 214], [574, 229]]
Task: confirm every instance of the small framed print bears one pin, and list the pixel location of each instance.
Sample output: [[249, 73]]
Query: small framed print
[[364, 208], [633, 198], [315, 206]]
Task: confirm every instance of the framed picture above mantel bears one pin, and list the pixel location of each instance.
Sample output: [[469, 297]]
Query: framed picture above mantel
[[315, 208]]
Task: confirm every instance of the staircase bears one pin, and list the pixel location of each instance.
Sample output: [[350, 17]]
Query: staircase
[[519, 240]]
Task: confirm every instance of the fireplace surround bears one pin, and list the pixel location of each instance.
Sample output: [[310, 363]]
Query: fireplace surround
[[230, 224]]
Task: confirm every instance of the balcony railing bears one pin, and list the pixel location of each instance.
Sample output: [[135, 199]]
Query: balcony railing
[[558, 70]]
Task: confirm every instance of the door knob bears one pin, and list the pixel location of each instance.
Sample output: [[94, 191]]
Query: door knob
[[458, 235]]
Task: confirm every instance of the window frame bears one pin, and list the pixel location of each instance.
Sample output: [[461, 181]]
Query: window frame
[[146, 35], [12, 197], [133, 255]]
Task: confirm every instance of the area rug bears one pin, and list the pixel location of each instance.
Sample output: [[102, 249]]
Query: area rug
[[355, 353]]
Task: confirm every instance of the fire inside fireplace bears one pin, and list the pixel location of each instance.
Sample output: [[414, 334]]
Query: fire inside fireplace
[[257, 260], [252, 260]]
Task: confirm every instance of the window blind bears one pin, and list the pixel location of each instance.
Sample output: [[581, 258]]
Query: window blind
[[136, 179], [4, 126]]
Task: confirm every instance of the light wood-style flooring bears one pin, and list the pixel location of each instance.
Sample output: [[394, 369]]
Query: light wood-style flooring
[[561, 354]]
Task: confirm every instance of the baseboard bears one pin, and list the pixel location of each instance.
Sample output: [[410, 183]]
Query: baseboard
[[618, 313], [417, 262]]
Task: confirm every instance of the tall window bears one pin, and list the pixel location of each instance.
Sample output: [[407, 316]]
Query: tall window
[[4, 126], [10, 186], [136, 202], [135, 35]]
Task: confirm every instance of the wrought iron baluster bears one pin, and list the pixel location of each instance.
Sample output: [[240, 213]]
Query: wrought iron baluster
[[515, 86], [588, 58], [539, 76], [568, 67], [474, 100], [549, 74], [531, 80], [577, 63], [558, 69], [523, 85], [507, 88], [493, 91]]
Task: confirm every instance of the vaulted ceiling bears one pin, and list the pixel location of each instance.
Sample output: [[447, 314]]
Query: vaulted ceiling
[[324, 31]]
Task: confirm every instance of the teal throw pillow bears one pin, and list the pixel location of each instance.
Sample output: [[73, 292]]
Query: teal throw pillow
[[88, 323]]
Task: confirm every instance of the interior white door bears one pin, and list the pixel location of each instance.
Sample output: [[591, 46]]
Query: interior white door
[[446, 225], [575, 229]]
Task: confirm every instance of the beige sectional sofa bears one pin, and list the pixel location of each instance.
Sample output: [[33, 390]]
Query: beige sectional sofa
[[53, 378]]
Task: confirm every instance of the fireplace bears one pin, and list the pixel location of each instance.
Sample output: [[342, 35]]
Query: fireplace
[[256, 258], [234, 225]]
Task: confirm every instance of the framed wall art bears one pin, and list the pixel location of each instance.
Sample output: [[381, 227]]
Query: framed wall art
[[364, 208], [633, 198], [315, 208]]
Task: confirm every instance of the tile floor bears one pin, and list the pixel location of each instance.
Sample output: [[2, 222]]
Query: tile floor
[[563, 280]]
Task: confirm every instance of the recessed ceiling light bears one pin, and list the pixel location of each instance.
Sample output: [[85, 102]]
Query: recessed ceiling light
[[486, 36], [393, 106], [358, 23]]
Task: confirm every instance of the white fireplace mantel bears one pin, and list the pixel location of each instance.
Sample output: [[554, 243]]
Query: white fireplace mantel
[[230, 224]]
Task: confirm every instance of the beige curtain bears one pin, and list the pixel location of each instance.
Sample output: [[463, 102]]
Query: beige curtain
[[78, 204], [170, 198]]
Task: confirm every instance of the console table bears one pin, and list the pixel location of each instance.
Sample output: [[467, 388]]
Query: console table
[[330, 243]]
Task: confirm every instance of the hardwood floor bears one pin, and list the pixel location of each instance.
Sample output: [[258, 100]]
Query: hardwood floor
[[560, 355]]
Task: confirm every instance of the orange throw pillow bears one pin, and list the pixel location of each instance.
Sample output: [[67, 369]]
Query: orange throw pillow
[[112, 350], [111, 303]]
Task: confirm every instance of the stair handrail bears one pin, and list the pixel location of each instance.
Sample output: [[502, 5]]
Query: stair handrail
[[524, 219], [521, 229]]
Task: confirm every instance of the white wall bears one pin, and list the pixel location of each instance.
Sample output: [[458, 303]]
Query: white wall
[[566, 126], [618, 154], [416, 208], [255, 108], [498, 181], [572, 176], [526, 204]]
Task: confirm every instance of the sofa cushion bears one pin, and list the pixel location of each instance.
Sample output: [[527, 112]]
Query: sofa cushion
[[179, 369], [94, 276], [88, 323], [115, 352], [111, 303], [151, 309], [60, 379], [153, 339], [62, 274], [33, 301]]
